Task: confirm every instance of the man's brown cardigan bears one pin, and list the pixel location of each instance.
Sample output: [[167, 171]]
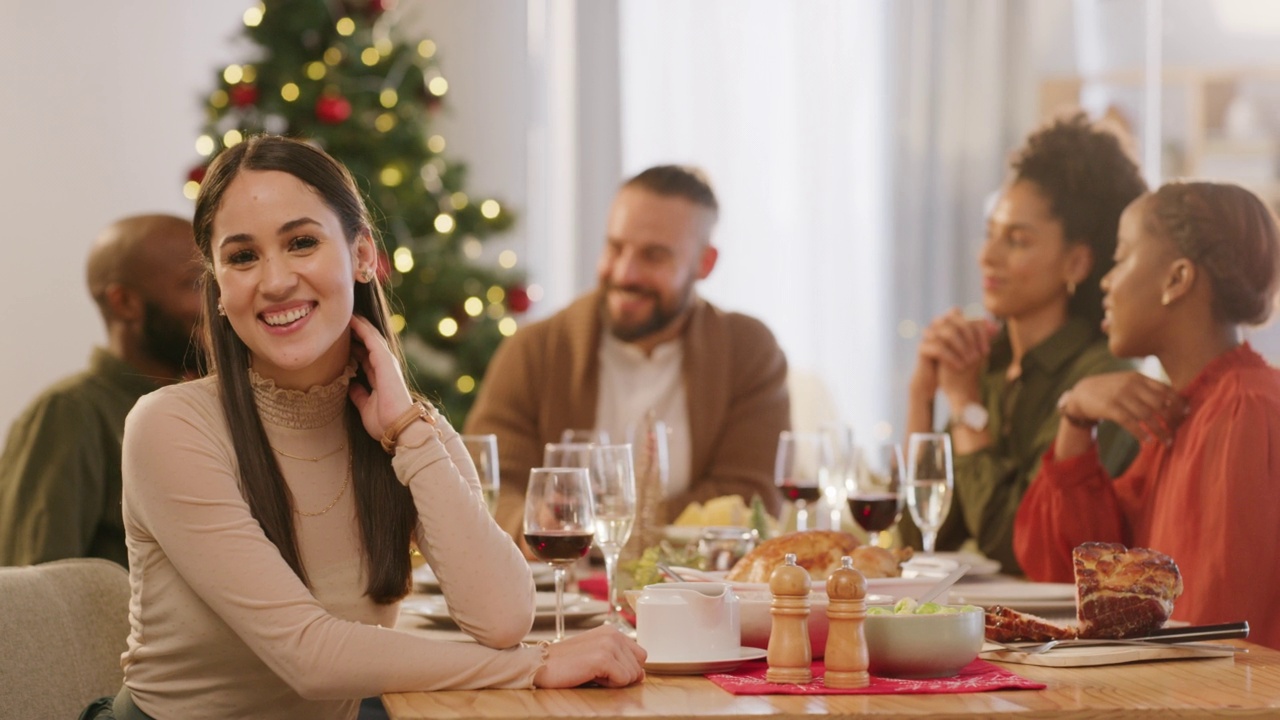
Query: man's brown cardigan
[[545, 379]]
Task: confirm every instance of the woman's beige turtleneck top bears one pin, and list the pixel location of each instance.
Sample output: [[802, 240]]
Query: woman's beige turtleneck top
[[222, 627]]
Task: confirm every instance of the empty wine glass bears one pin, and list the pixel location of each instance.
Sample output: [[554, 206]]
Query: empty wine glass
[[801, 469], [930, 482], [569, 454], [875, 489], [598, 437], [559, 523], [844, 464], [484, 453], [613, 488]]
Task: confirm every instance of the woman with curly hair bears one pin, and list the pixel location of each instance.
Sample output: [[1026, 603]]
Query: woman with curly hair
[[1049, 239], [1194, 262]]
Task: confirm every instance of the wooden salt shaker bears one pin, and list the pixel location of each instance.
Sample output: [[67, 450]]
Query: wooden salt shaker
[[846, 656], [790, 656]]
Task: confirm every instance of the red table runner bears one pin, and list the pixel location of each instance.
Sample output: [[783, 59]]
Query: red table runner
[[977, 676]]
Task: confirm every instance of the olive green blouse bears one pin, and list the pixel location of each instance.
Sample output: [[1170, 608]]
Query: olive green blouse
[[989, 483]]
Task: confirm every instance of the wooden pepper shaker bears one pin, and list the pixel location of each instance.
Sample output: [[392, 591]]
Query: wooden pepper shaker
[[790, 656], [846, 655]]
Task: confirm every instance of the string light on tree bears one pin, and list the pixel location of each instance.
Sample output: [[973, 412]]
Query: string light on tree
[[335, 71]]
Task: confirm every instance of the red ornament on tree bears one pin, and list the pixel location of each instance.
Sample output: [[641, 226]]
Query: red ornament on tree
[[197, 173], [332, 109], [518, 299], [244, 95]]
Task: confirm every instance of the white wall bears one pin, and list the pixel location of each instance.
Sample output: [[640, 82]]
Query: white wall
[[101, 104]]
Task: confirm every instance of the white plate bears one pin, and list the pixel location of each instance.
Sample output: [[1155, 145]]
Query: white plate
[[886, 590], [941, 563], [1022, 596], [682, 534], [702, 667], [434, 608], [424, 578]]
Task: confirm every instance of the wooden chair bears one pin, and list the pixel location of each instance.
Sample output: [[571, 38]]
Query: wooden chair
[[63, 626]]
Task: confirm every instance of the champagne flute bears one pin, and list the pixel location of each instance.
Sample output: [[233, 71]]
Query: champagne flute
[[801, 469], [613, 488], [559, 523], [875, 489], [930, 482], [484, 453], [653, 473]]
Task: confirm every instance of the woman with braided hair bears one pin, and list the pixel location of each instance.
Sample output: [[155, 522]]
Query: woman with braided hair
[[1194, 262]]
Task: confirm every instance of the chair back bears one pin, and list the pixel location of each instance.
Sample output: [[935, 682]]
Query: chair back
[[63, 627]]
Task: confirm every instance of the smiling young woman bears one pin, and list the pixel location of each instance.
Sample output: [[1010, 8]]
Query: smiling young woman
[[269, 507], [1194, 263]]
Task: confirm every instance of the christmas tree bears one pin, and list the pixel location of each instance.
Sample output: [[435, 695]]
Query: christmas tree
[[334, 72]]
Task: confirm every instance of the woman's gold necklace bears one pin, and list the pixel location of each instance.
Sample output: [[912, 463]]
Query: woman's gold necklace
[[342, 491], [331, 453]]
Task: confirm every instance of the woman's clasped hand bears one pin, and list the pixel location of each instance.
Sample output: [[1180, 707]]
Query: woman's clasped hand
[[1147, 408]]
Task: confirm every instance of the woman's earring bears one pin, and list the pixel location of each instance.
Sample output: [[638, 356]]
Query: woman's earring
[[1071, 288], [366, 275], [221, 310], [1164, 299]]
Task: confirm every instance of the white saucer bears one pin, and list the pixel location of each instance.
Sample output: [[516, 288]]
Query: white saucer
[[702, 667]]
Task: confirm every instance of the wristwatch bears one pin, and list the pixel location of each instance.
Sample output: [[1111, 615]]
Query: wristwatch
[[974, 417]]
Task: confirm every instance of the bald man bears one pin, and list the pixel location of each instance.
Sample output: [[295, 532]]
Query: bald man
[[60, 471]]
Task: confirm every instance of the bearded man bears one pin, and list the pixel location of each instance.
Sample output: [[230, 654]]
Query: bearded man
[[643, 342], [60, 470]]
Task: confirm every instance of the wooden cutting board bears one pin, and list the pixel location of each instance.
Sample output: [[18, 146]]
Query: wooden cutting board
[[1101, 655]]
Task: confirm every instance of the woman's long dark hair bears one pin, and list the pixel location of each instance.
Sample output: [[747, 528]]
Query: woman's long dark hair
[[384, 507]]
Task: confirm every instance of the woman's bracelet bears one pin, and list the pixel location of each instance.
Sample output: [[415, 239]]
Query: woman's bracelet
[[1076, 421], [417, 411]]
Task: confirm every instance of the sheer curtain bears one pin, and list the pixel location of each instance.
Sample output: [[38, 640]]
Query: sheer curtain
[[852, 145], [781, 103]]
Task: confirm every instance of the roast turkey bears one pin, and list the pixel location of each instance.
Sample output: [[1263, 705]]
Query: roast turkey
[[819, 552]]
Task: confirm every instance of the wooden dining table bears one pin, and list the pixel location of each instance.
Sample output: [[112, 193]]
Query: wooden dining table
[[1246, 684]]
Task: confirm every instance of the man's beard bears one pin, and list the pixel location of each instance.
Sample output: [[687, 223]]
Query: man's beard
[[658, 320], [169, 340]]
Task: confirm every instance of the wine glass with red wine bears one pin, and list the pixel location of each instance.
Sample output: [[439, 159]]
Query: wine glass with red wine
[[875, 489], [801, 471], [559, 523]]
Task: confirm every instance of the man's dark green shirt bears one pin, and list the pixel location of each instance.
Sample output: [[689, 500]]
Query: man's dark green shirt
[[60, 471]]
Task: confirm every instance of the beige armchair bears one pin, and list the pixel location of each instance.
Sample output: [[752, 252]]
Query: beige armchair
[[63, 626]]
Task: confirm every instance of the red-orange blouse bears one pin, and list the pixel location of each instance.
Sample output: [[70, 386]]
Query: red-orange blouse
[[1211, 501]]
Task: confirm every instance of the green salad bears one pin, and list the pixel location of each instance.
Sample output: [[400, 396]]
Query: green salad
[[909, 606]]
